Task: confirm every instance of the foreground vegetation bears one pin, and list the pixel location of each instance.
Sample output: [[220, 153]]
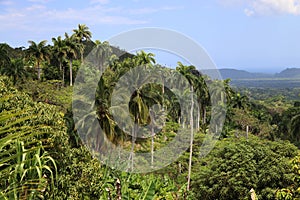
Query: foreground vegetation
[[42, 156]]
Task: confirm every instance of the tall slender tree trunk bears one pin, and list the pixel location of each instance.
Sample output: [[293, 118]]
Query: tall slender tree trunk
[[253, 195], [204, 115], [71, 72], [198, 116], [163, 99], [63, 75], [81, 52], [192, 140], [247, 131], [152, 136], [39, 70], [60, 66], [103, 57], [134, 133], [132, 150], [101, 65], [152, 144]]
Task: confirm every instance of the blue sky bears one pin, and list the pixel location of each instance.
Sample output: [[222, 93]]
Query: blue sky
[[255, 35]]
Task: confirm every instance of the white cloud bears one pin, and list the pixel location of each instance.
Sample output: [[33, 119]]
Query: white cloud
[[266, 7], [35, 7], [39, 1], [270, 7], [249, 12], [99, 1], [38, 17], [143, 11], [6, 3], [233, 2], [36, 20]]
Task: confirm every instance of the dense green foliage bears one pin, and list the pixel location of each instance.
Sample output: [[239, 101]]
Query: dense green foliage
[[42, 156], [38, 162], [237, 165], [30, 140]]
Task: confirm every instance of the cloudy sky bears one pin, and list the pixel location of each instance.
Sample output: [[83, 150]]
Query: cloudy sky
[[256, 35]]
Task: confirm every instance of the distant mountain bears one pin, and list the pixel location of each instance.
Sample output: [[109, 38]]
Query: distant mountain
[[289, 73], [242, 74], [236, 74]]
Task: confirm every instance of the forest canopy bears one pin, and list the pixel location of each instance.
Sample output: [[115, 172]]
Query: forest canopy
[[43, 156]]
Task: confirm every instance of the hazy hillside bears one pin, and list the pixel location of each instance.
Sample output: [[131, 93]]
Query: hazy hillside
[[242, 74], [235, 74], [289, 73]]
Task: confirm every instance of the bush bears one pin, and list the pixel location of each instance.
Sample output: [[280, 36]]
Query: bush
[[237, 165]]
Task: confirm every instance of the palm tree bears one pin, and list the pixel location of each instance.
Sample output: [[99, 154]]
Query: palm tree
[[102, 52], [15, 70], [59, 50], [143, 58], [186, 72], [140, 112], [218, 94], [202, 92], [4, 57], [72, 46], [40, 52], [82, 33]]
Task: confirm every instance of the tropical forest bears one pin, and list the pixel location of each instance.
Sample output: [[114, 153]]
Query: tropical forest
[[51, 148]]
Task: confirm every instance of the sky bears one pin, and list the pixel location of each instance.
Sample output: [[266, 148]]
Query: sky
[[252, 35]]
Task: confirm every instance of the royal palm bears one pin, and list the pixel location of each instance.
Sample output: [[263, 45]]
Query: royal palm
[[71, 49], [59, 51], [40, 52], [82, 34]]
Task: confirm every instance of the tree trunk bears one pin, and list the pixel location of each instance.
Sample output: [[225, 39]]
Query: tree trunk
[[102, 63], [253, 195], [134, 133], [61, 70], [71, 72], [63, 76], [163, 99], [191, 141], [60, 66], [247, 130], [204, 115], [198, 116], [152, 146], [39, 70], [81, 52]]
